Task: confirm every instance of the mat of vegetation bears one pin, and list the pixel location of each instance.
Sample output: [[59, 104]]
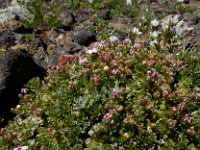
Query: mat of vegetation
[[137, 93]]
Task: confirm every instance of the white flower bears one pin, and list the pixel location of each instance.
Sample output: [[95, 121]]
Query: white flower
[[175, 19], [154, 34], [128, 2], [170, 20], [164, 28], [31, 142], [154, 23], [113, 39], [90, 1], [153, 43], [180, 1], [102, 44], [91, 132], [88, 141], [21, 148], [24, 90], [92, 50], [136, 31]]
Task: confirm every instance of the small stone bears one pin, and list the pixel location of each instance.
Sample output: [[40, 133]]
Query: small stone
[[7, 39], [83, 37]]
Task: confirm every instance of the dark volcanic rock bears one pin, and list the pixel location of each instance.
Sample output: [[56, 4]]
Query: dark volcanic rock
[[83, 14], [9, 38], [105, 14], [83, 37], [67, 19], [16, 69], [4, 3]]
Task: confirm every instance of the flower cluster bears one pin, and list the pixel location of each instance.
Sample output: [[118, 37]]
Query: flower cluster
[[127, 94], [108, 116]]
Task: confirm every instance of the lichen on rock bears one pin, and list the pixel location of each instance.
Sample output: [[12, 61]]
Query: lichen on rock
[[13, 11]]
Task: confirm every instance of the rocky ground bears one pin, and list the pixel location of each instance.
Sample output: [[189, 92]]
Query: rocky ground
[[47, 44]]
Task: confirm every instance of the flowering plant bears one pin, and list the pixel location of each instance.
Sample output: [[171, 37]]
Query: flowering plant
[[138, 93], [129, 96]]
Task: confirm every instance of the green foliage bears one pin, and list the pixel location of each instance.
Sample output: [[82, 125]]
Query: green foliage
[[140, 93], [103, 29], [137, 97], [75, 4], [44, 15], [99, 146], [119, 7], [2, 53]]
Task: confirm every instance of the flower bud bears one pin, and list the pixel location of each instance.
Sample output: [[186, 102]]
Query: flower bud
[[191, 131], [128, 120], [126, 136], [156, 95], [52, 132], [109, 104], [119, 108], [19, 107], [128, 62], [98, 127], [106, 69], [192, 147], [26, 96], [37, 112]]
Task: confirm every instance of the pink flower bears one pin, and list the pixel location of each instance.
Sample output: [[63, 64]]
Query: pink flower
[[137, 45], [132, 52], [186, 99], [96, 79], [91, 50], [107, 117], [115, 94], [37, 112], [127, 41], [102, 44], [107, 57], [114, 63], [115, 71], [82, 60], [186, 118], [155, 75], [119, 53], [181, 106], [112, 112], [144, 100], [21, 148]]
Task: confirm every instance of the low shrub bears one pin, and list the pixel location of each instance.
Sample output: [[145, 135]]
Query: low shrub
[[118, 94]]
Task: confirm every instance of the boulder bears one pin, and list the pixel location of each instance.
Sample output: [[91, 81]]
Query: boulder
[[16, 69]]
